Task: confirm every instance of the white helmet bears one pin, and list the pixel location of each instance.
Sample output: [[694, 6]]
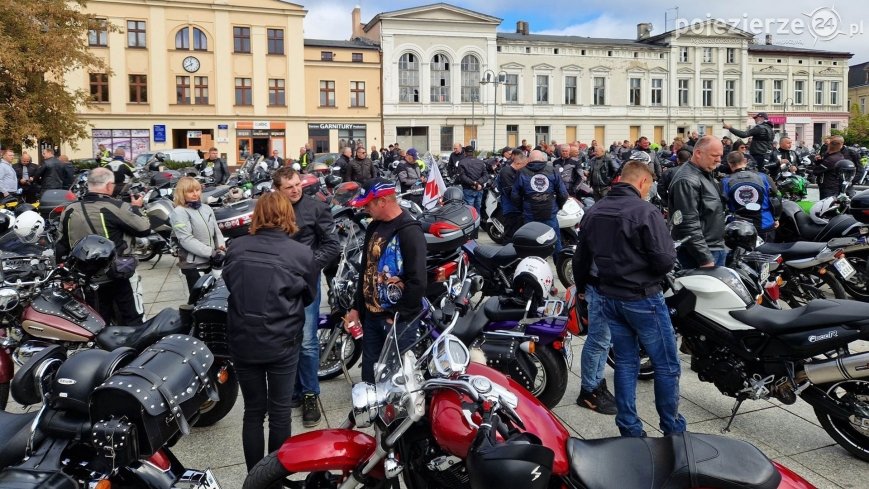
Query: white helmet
[[29, 226], [570, 214], [824, 210], [533, 278]]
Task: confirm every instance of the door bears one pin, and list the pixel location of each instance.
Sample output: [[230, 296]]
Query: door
[[635, 134], [470, 133], [571, 134], [659, 134], [244, 148], [278, 145], [261, 146], [600, 135], [818, 137]]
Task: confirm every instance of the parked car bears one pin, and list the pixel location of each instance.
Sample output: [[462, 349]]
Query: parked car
[[327, 158], [178, 154]]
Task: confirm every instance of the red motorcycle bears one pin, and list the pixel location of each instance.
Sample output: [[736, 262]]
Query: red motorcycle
[[443, 422]]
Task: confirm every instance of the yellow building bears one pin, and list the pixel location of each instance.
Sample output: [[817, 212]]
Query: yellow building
[[197, 73], [858, 87]]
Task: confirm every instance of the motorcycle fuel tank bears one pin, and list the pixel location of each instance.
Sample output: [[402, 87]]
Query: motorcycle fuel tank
[[56, 315]]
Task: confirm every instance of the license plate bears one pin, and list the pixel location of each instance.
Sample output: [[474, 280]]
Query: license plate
[[764, 272], [845, 269]]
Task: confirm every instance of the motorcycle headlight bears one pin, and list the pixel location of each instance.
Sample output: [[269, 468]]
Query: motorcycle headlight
[[365, 406]]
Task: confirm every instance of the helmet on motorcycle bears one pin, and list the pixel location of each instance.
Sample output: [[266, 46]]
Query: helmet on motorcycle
[[7, 220], [29, 226], [520, 461], [793, 185], [570, 213], [22, 208], [532, 278], [824, 210], [310, 184], [638, 155], [91, 256], [740, 234], [454, 194], [846, 170], [333, 181]]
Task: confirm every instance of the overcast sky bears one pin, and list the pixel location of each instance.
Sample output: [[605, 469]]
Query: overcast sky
[[798, 23]]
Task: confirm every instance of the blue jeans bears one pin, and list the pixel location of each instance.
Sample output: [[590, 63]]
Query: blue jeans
[[688, 262], [597, 342], [553, 223], [307, 381], [375, 327], [644, 322], [474, 198]]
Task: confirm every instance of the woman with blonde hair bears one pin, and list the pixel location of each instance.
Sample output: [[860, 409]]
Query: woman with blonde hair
[[195, 227], [270, 278]]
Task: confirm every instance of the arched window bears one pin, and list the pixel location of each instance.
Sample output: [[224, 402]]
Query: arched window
[[470, 78], [200, 40], [408, 78], [440, 78], [182, 39]]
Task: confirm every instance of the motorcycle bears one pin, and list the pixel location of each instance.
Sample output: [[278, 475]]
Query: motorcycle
[[436, 418], [158, 206]]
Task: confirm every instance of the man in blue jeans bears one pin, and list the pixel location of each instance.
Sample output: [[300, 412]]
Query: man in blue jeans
[[624, 253], [316, 230]]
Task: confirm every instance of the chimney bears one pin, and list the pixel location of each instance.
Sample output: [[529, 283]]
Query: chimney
[[522, 27], [769, 39], [644, 30], [356, 18]]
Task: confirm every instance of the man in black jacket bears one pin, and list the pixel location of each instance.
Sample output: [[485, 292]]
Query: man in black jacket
[[50, 174], [316, 231], [220, 169], [392, 280], [826, 170], [25, 171], [785, 156], [603, 169], [361, 167], [623, 253], [472, 176], [343, 163], [762, 136], [455, 157]]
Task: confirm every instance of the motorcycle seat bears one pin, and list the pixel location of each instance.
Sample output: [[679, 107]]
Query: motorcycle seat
[[793, 251], [166, 322], [666, 463], [816, 314], [472, 323], [497, 254], [496, 310], [807, 228], [15, 432]]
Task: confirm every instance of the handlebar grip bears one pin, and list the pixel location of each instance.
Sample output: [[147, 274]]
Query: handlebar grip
[[462, 298]]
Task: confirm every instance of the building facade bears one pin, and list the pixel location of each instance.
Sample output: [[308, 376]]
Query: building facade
[[858, 87]]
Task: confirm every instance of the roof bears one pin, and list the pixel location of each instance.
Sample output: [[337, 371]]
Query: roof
[[512, 36], [774, 48], [857, 75], [357, 43], [396, 13]]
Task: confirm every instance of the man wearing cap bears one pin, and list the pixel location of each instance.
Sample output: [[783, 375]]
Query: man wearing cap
[[393, 274], [472, 176], [762, 136]]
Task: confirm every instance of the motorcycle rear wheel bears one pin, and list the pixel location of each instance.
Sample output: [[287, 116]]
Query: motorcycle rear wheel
[[848, 434], [213, 411], [496, 234], [551, 381], [268, 473], [144, 253], [350, 351], [564, 269], [813, 284], [858, 285]]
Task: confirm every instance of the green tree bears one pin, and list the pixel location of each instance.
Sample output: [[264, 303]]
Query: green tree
[[857, 131], [42, 41]]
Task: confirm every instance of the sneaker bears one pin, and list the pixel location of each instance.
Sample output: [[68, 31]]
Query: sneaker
[[310, 411], [605, 392], [597, 401]]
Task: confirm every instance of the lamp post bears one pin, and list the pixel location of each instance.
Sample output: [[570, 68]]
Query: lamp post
[[498, 79], [784, 129]]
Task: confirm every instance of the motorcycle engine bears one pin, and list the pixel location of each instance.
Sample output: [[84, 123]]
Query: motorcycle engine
[[720, 367]]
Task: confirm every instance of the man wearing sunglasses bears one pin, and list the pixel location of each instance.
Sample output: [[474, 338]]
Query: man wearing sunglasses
[[361, 166]]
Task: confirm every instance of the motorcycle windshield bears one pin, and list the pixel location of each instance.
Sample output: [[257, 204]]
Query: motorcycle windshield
[[389, 374]]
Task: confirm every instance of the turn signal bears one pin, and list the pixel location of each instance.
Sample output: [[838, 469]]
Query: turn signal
[[839, 254], [529, 346], [223, 375], [443, 272], [822, 271], [103, 484]]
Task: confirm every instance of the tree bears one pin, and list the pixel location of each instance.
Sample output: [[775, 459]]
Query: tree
[[857, 131], [41, 41]]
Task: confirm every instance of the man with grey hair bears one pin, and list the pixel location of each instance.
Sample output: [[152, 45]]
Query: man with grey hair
[[566, 167], [98, 213], [8, 182]]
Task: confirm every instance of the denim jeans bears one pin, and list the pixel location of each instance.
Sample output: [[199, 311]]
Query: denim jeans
[[644, 322], [474, 198], [309, 358], [597, 342], [688, 262], [375, 327]]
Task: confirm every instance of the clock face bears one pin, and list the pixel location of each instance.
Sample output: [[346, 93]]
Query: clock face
[[190, 64]]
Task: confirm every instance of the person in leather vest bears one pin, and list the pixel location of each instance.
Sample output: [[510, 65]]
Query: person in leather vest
[[743, 187], [539, 192]]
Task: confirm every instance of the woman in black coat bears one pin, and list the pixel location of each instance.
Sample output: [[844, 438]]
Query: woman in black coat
[[270, 278]]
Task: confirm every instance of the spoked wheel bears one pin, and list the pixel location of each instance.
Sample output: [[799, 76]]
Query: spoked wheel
[[810, 285], [550, 383], [851, 432], [270, 474], [647, 370], [144, 252], [346, 350]]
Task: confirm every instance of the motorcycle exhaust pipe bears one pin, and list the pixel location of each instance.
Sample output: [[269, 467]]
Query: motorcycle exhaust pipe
[[837, 369]]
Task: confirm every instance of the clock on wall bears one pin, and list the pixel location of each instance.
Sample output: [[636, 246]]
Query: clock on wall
[[190, 64]]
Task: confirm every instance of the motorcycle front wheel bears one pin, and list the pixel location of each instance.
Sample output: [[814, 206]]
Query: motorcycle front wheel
[[346, 350], [853, 395], [551, 380], [564, 268], [268, 473]]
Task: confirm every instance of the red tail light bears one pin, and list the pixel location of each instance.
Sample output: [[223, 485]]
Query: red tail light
[[58, 209], [441, 227], [474, 213], [443, 272], [161, 461], [557, 344], [772, 290], [69, 196]]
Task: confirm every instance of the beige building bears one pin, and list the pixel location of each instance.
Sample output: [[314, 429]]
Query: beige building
[[342, 94], [196, 73], [858, 87]]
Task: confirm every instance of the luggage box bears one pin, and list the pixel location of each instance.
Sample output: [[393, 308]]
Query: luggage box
[[860, 207], [534, 239], [449, 227]]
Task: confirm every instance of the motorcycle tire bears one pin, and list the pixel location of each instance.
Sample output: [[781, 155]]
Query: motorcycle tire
[[564, 268], [496, 234], [858, 285], [213, 411], [330, 367], [647, 370], [268, 473], [552, 374], [811, 282], [851, 437], [4, 395], [144, 254]]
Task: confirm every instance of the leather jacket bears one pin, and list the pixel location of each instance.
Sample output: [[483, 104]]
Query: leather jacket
[[696, 212]]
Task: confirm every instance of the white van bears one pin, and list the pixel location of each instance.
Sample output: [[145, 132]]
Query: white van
[[179, 154]]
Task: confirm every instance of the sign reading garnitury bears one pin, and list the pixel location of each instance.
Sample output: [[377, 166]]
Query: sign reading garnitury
[[334, 125]]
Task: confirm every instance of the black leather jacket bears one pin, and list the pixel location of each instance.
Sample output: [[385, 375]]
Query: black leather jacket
[[761, 136], [472, 171], [696, 204], [316, 230]]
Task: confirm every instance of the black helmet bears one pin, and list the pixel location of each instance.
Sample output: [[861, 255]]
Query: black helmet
[[22, 208], [91, 256], [521, 461], [846, 170], [454, 194], [740, 234], [333, 181]]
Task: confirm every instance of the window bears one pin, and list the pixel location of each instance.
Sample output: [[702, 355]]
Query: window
[[138, 89], [777, 89], [541, 133], [570, 90], [135, 141], [446, 138], [99, 35], [683, 55], [799, 89], [275, 41], [542, 89], [707, 93], [731, 55], [241, 39], [511, 89], [357, 94], [862, 105], [200, 41], [819, 93], [277, 92], [758, 92], [136, 33], [243, 91], [657, 91], [470, 78], [408, 78], [834, 93], [327, 93], [99, 83], [440, 78], [707, 55], [327, 56], [356, 57], [200, 90], [634, 91], [683, 92], [182, 90], [182, 39], [730, 93], [599, 90]]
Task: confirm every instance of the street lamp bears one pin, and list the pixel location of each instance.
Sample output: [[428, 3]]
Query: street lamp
[[498, 79], [784, 130]]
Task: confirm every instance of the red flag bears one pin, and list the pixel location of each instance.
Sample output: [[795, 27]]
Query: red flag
[[434, 187]]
